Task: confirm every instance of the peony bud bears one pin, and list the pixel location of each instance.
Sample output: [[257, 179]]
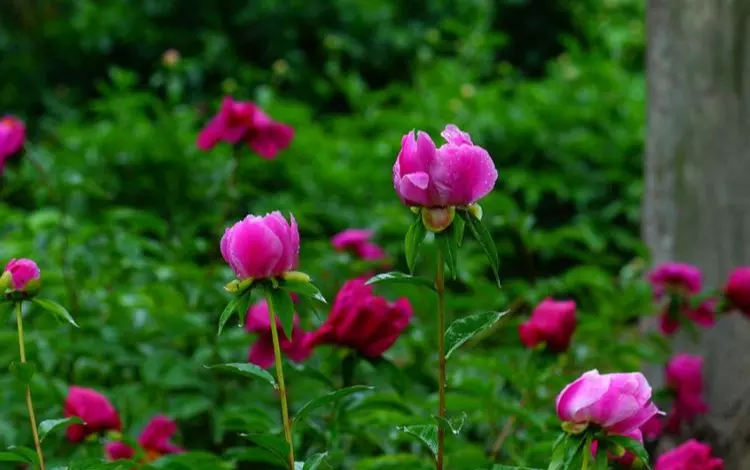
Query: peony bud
[[24, 275], [737, 289]]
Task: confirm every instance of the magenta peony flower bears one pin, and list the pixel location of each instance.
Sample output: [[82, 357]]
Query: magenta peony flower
[[363, 321], [685, 379], [96, 412], [692, 455], [458, 173], [22, 271], [737, 289], [261, 354], [358, 242], [681, 278], [261, 247], [619, 403], [552, 322], [245, 121], [12, 137], [155, 441]]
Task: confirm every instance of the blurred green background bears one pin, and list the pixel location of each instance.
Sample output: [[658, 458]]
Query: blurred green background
[[124, 214]]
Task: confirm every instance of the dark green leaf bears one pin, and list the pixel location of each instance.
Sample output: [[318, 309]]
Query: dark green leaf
[[457, 231], [23, 371], [427, 433], [247, 370], [558, 452], [630, 444], [602, 461], [275, 444], [307, 289], [510, 467], [449, 251], [314, 462], [56, 309], [414, 238], [282, 306], [401, 278], [29, 455], [483, 236], [243, 306], [231, 307], [13, 457], [329, 398], [463, 329], [49, 424], [454, 425]]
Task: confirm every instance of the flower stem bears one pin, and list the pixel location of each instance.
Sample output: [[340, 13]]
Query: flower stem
[[282, 386], [440, 287], [29, 403]]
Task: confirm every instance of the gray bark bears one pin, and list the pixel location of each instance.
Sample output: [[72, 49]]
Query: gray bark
[[697, 202]]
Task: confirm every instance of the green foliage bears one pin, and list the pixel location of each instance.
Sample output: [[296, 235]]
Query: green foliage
[[124, 215]]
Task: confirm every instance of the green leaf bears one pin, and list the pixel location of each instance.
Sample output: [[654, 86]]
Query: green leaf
[[228, 311], [23, 371], [510, 467], [273, 443], [13, 457], [283, 307], [49, 424], [484, 238], [401, 278], [414, 238], [558, 452], [307, 289], [329, 398], [56, 309], [427, 433], [246, 370], [630, 444], [454, 425], [463, 329], [457, 231], [449, 251], [314, 462], [602, 461], [29, 455]]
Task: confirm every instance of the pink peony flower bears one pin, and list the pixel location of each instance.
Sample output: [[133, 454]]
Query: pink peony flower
[[155, 441], [552, 322], [675, 277], [261, 247], [245, 121], [619, 403], [685, 379], [458, 173], [737, 289], [96, 412], [363, 321], [261, 354], [358, 242], [692, 455], [704, 316], [22, 272], [12, 137]]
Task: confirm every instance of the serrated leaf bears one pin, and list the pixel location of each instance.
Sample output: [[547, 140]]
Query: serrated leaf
[[454, 425], [56, 309], [401, 278], [329, 398], [23, 371], [449, 251], [282, 306], [314, 462], [463, 329], [274, 444], [427, 433], [50, 424], [245, 369], [307, 289], [413, 241], [630, 444], [231, 307], [484, 237]]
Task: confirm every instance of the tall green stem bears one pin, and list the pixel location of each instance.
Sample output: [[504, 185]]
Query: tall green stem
[[440, 287], [282, 386], [29, 403]]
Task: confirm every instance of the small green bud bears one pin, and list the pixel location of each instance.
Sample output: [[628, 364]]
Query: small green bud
[[415, 209], [5, 280], [475, 210], [437, 219], [296, 276], [236, 286], [574, 428]]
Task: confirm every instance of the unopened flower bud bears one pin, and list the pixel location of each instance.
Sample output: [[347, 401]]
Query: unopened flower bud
[[437, 219], [574, 428], [296, 276], [475, 210]]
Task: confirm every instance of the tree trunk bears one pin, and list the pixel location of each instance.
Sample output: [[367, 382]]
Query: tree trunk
[[697, 203]]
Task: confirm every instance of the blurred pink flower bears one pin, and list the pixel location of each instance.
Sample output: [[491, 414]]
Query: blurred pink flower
[[12, 137], [681, 278], [703, 316], [684, 374], [261, 247], [358, 242], [458, 173], [692, 455], [94, 409], [552, 322], [652, 428], [737, 289], [619, 403], [245, 121], [363, 321], [298, 348], [155, 441], [22, 272]]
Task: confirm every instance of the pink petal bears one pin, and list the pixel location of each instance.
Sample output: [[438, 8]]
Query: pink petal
[[210, 135], [268, 142], [636, 420], [261, 353], [413, 189], [279, 226], [582, 393], [255, 249], [118, 451], [351, 238], [157, 433], [462, 174], [453, 135]]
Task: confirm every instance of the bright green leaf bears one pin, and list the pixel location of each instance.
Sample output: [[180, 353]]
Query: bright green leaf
[[228, 311], [630, 444], [414, 238], [427, 433], [307, 289], [49, 424], [314, 462], [56, 309], [454, 425], [282, 306], [273, 443], [246, 370], [463, 329], [449, 251], [329, 398], [483, 236], [401, 278]]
